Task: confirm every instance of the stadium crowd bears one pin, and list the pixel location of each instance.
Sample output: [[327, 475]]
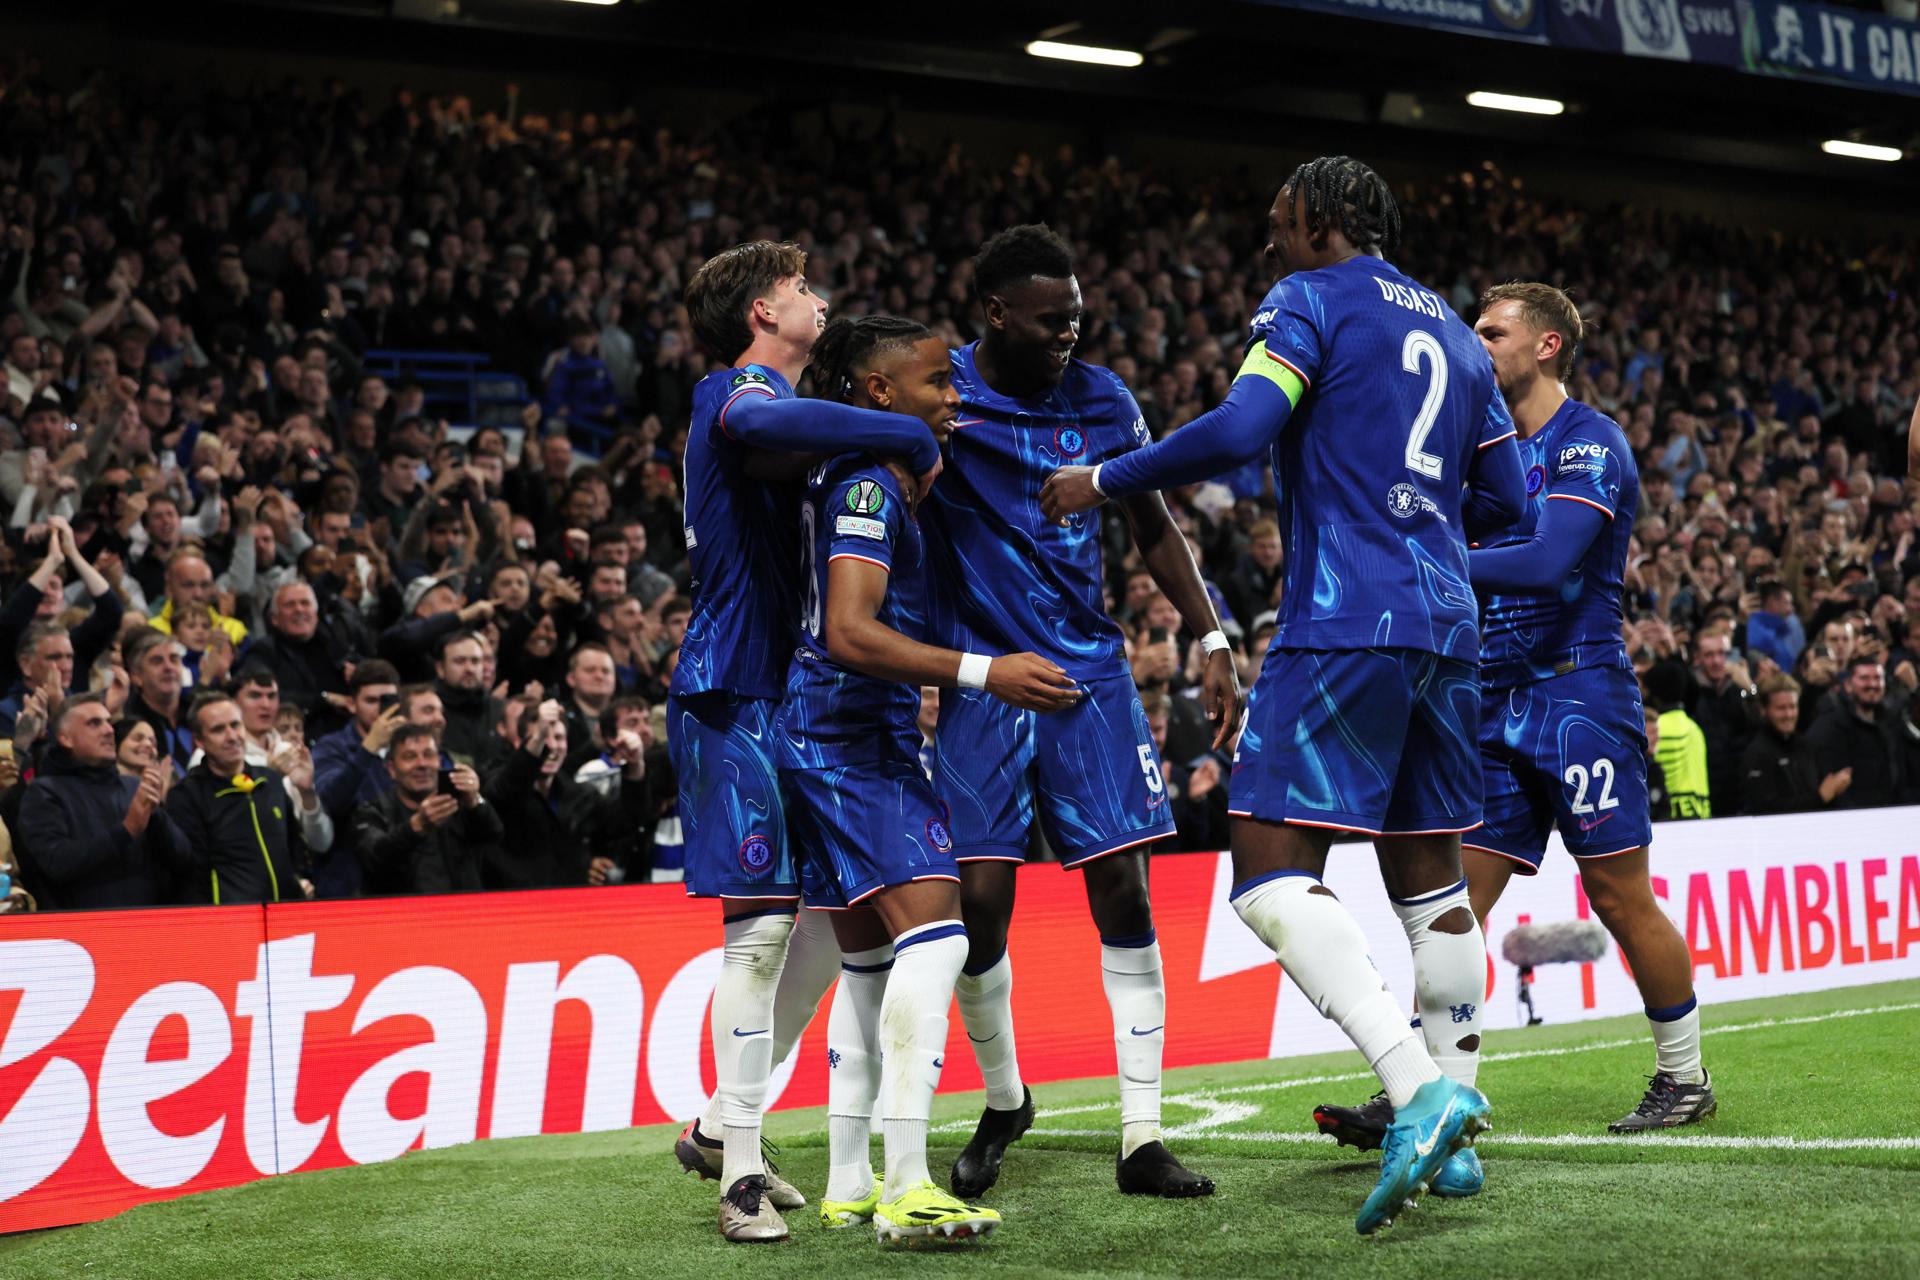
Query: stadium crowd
[[235, 558]]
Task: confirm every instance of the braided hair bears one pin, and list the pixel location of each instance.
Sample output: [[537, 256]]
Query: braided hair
[[1339, 191], [847, 345]]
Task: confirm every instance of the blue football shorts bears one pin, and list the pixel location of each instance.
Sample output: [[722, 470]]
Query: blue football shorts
[[1378, 741], [730, 813], [1569, 751], [858, 829], [1090, 772]]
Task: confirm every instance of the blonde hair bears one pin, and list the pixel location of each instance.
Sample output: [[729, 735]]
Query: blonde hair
[[1546, 309]]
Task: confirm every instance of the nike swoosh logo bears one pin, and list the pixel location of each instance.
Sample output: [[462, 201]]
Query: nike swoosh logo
[[1588, 826], [1149, 1031], [977, 1040], [762, 1031], [1425, 1149], [939, 1062]]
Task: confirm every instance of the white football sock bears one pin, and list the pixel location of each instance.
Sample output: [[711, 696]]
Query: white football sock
[[853, 1071], [1325, 954], [1137, 994], [750, 965], [913, 1042], [986, 1010], [1449, 979], [1676, 1041], [813, 962]]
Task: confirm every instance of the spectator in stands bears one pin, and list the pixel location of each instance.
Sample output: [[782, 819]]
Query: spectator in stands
[[344, 759], [366, 769], [161, 522], [644, 579], [1253, 588], [1775, 770], [433, 832], [1682, 749], [45, 659], [309, 662], [623, 626], [579, 387], [248, 829], [591, 686], [1773, 628], [152, 660], [1722, 705], [89, 837], [135, 747], [560, 831], [431, 609], [1907, 736], [1856, 738], [397, 491], [190, 586], [1657, 804], [1156, 668], [40, 599], [471, 712]]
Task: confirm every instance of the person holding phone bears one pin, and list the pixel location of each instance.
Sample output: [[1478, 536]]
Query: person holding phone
[[418, 838], [345, 760]]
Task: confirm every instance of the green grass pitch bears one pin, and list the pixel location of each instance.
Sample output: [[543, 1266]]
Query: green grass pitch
[[1811, 1168]]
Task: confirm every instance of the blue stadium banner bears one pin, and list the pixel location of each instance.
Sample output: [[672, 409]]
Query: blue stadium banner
[[1681, 30], [1853, 46], [1508, 19]]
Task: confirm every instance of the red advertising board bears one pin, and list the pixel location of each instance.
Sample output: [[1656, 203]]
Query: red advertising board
[[150, 1054]]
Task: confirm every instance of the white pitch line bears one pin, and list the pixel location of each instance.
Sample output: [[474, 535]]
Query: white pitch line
[[1195, 1096], [1572, 1140]]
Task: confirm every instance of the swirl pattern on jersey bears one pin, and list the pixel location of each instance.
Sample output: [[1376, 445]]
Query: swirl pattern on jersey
[[1580, 455], [1004, 577]]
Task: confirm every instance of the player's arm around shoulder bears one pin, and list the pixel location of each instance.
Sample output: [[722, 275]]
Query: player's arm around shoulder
[[869, 517]]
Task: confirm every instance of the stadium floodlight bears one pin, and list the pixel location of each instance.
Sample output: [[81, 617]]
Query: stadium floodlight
[[1859, 150], [1084, 53], [1515, 102]]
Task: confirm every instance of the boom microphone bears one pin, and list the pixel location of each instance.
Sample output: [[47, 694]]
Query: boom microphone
[[1564, 942]]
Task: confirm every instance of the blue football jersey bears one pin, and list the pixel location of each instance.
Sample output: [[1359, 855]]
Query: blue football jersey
[[1370, 468], [1005, 579], [852, 509], [1581, 455], [740, 541]]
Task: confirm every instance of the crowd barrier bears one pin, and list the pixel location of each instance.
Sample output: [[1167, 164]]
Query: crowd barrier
[[149, 1054]]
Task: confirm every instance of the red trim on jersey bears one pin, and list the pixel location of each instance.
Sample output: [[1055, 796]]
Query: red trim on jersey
[[848, 555], [754, 388], [1611, 853], [1487, 444], [1280, 359], [1571, 497], [1530, 868], [881, 888]]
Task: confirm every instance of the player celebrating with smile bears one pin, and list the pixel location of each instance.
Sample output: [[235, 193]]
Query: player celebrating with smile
[[1376, 404], [874, 848], [1007, 578], [751, 307]]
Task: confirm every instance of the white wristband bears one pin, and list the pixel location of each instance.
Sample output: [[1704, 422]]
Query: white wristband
[[1094, 479], [973, 670], [1214, 641]]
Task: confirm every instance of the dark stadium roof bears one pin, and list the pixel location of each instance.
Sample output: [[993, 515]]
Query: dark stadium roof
[[1232, 69]]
